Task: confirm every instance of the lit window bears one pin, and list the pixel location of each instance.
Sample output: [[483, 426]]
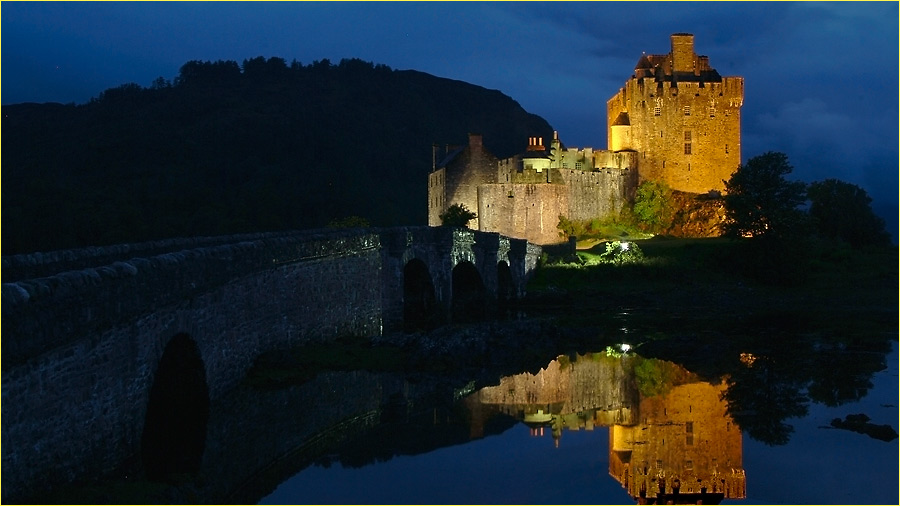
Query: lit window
[[687, 110], [687, 148]]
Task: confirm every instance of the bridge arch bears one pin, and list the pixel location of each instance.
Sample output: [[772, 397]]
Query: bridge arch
[[469, 295], [506, 287], [174, 433], [420, 307]]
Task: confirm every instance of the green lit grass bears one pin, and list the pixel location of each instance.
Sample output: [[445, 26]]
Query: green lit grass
[[698, 286]]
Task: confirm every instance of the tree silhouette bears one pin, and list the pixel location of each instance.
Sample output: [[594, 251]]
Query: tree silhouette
[[842, 211], [225, 149], [457, 215], [760, 202]]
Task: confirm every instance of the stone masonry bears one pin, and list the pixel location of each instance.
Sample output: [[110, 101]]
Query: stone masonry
[[676, 121], [81, 347]]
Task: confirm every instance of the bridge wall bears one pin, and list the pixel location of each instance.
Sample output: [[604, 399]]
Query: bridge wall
[[81, 348], [74, 402]]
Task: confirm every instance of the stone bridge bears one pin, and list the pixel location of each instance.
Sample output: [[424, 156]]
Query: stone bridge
[[100, 343]]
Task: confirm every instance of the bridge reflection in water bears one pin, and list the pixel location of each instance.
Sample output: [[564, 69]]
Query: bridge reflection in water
[[671, 439]]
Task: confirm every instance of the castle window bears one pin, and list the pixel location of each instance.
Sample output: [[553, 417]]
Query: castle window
[[689, 440], [712, 112], [687, 110], [726, 149], [687, 148], [689, 427], [687, 136], [657, 110]]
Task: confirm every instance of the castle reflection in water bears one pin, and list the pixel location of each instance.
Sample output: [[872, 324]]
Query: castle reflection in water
[[671, 440]]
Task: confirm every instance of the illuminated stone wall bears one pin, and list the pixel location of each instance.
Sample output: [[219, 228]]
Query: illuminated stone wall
[[528, 211], [456, 180], [681, 117], [532, 191], [676, 120]]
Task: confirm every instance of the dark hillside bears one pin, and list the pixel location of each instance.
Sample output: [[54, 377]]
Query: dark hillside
[[229, 148]]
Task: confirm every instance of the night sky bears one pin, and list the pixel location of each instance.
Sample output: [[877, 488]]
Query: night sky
[[821, 82]]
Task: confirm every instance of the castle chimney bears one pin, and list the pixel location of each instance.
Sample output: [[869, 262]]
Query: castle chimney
[[682, 52], [535, 144], [474, 140]]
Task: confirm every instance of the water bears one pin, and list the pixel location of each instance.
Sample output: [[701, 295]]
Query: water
[[586, 417]]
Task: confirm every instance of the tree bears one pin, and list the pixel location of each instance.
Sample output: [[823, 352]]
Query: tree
[[760, 202], [653, 205], [457, 215], [842, 211]]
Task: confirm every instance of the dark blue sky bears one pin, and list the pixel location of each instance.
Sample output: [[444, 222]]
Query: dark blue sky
[[821, 79]]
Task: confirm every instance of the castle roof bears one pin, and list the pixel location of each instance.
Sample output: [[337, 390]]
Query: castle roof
[[622, 119], [649, 61], [643, 63], [535, 153], [451, 155]]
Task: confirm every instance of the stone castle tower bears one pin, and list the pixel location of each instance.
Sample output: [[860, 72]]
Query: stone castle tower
[[682, 117], [676, 120]]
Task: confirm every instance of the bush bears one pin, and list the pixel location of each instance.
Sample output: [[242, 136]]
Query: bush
[[653, 206], [621, 252]]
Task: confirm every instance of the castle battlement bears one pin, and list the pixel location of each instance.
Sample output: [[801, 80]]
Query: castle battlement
[[682, 116], [675, 120]]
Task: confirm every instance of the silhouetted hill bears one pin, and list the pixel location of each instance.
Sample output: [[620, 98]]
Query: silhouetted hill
[[230, 148]]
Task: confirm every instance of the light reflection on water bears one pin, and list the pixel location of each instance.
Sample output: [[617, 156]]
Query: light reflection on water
[[583, 432]]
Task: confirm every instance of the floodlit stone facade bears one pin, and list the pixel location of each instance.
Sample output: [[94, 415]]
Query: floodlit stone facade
[[681, 117], [676, 120]]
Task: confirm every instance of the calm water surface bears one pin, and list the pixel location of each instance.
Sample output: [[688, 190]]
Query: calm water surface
[[592, 430]]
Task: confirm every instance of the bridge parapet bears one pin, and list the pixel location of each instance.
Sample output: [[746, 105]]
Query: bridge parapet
[[45, 312], [44, 264]]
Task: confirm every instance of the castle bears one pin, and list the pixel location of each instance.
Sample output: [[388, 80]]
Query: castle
[[675, 121]]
